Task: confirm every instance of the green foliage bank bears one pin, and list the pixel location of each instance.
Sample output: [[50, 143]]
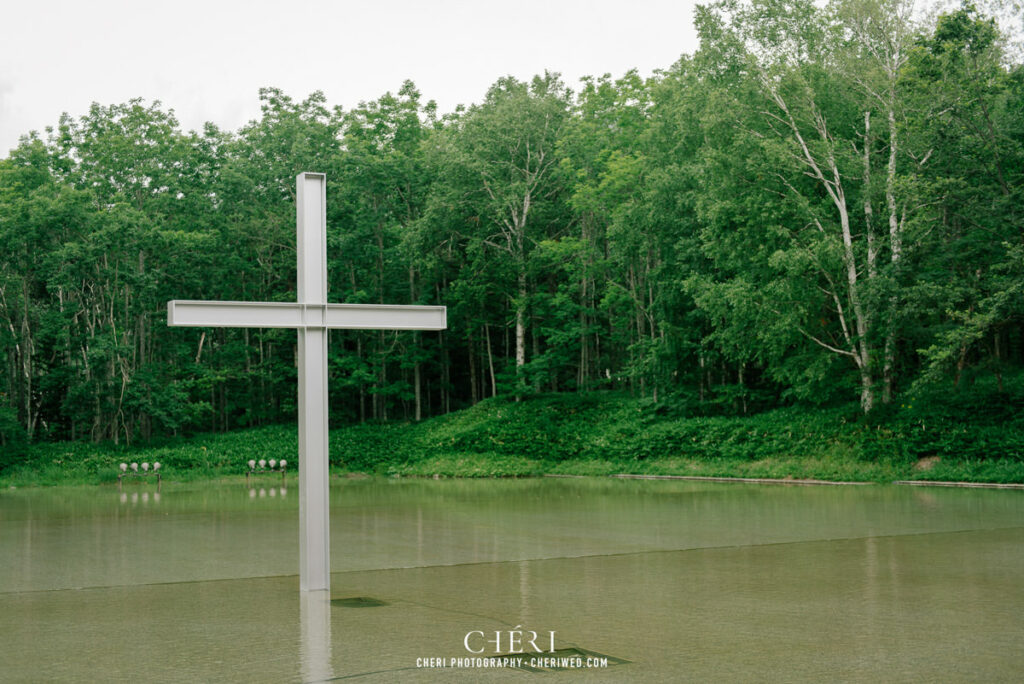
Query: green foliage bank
[[965, 436]]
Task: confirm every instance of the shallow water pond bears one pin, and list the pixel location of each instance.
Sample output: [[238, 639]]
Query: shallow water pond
[[667, 580]]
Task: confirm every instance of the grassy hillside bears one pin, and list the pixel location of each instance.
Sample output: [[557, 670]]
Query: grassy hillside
[[976, 434]]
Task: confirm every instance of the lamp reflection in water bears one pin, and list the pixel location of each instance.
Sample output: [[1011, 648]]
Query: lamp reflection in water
[[315, 648], [262, 492], [134, 498]]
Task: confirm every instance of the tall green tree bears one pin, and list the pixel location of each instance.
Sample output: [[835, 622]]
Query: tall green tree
[[970, 118], [508, 148]]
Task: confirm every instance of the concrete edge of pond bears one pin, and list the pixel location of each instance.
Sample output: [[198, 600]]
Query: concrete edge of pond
[[754, 480], [763, 480], [980, 485]]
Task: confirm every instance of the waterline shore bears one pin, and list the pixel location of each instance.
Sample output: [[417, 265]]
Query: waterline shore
[[795, 472]]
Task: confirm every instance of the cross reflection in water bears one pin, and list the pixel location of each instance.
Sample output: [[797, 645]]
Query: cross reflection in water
[[315, 647]]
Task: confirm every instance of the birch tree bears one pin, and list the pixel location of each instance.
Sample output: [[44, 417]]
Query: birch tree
[[819, 135], [509, 145]]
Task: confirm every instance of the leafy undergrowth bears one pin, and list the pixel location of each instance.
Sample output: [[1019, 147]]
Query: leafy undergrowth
[[201, 457], [974, 435]]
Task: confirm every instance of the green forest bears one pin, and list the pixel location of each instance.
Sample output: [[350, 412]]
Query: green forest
[[817, 210]]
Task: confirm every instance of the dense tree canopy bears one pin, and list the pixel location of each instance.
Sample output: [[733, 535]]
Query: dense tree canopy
[[822, 204]]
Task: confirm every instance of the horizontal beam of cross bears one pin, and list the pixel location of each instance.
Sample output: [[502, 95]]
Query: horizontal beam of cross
[[288, 315]]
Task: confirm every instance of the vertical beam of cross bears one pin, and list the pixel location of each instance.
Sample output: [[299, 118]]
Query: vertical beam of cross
[[314, 509]]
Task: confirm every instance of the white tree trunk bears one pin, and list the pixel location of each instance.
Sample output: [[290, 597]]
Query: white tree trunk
[[520, 328]]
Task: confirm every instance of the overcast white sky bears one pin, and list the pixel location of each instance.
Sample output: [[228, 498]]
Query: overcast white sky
[[207, 59]]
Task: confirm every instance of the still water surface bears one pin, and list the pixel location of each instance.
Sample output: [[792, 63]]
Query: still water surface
[[686, 581]]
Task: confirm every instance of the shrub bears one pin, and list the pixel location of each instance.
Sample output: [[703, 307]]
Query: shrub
[[13, 440]]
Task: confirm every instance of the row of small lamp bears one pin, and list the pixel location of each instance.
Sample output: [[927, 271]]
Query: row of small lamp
[[135, 467], [263, 463]]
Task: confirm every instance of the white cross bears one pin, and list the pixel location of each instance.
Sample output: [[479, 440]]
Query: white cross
[[312, 316]]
